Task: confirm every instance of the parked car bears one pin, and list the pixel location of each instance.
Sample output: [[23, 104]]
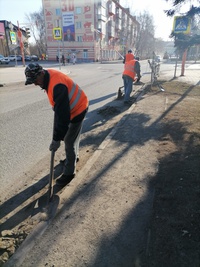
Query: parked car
[[12, 57], [15, 57], [19, 58], [27, 58], [34, 58], [4, 60]]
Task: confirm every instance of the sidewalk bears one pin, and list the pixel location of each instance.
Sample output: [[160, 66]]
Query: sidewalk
[[104, 213]]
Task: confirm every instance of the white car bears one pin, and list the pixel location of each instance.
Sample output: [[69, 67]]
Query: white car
[[4, 60], [15, 57], [12, 57]]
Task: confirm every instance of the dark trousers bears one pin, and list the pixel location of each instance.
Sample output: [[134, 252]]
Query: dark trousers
[[72, 140], [128, 87]]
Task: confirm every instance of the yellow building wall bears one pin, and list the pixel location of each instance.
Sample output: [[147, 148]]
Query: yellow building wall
[[78, 16]]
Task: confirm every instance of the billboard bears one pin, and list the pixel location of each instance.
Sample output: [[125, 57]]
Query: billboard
[[182, 24], [68, 26], [2, 31]]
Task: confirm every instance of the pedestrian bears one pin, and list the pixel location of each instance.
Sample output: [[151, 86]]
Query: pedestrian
[[68, 59], [74, 59], [63, 60], [70, 105], [130, 74], [129, 56]]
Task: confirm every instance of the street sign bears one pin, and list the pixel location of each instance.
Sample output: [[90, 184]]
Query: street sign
[[182, 24], [13, 37], [57, 33]]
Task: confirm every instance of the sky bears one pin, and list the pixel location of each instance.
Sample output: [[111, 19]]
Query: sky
[[163, 24], [15, 10]]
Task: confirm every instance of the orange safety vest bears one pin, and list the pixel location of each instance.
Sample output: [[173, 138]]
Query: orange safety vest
[[78, 101], [129, 57], [129, 69]]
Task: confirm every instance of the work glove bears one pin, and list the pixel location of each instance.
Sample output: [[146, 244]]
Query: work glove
[[54, 145], [138, 78]]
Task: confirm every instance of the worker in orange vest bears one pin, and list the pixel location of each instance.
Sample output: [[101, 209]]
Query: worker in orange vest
[[131, 73], [70, 105], [129, 56]]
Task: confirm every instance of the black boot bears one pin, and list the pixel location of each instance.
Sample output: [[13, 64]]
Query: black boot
[[64, 179]]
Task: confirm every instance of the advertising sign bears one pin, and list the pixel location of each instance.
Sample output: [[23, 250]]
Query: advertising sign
[[68, 26], [2, 31]]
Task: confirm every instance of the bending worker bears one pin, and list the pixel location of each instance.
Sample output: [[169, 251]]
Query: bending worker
[[70, 105], [130, 74]]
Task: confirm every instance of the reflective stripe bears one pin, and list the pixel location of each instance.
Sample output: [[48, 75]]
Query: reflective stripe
[[129, 67], [72, 105], [72, 91]]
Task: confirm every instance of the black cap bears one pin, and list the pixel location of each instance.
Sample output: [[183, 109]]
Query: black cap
[[31, 72]]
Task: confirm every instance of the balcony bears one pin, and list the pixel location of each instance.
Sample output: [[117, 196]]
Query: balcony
[[99, 17], [111, 8], [118, 26], [111, 29]]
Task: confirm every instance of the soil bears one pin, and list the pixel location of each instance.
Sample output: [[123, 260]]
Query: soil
[[174, 229], [174, 235]]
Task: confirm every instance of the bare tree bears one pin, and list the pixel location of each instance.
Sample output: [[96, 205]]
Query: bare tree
[[145, 43], [37, 27]]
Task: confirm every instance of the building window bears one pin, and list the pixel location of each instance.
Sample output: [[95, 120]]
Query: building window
[[85, 53], [79, 39], [78, 25], [58, 12], [78, 10]]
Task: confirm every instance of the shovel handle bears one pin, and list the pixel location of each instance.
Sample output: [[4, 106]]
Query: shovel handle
[[51, 176]]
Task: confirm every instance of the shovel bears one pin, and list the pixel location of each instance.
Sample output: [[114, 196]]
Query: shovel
[[52, 201], [51, 176]]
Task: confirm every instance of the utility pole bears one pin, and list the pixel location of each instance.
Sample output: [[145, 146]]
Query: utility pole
[[62, 32], [21, 43]]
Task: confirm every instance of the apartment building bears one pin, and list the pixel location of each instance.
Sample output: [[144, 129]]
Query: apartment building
[[93, 30], [10, 40]]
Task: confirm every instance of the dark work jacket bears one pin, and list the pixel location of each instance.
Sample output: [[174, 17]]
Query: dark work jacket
[[61, 109]]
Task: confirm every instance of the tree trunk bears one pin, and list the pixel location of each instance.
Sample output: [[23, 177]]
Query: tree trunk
[[183, 62]]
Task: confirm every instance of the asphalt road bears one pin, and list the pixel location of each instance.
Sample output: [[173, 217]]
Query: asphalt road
[[26, 116]]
